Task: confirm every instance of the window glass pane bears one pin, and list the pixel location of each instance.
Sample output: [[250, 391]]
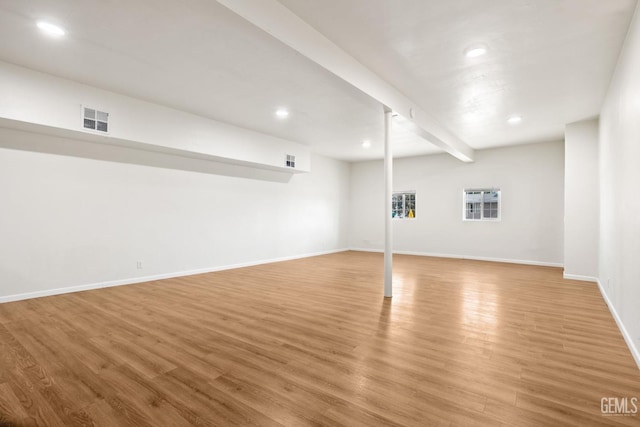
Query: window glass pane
[[102, 116], [89, 124], [473, 208], [410, 202], [89, 113], [490, 196], [473, 196], [396, 204], [102, 126]]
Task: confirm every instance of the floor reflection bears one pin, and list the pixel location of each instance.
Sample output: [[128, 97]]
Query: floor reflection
[[479, 304]]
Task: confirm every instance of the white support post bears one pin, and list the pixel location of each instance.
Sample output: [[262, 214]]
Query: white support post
[[388, 194]]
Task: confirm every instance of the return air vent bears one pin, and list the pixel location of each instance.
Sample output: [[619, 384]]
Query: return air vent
[[290, 161], [96, 120]]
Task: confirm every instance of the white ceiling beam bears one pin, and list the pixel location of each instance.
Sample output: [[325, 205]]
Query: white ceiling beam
[[275, 19]]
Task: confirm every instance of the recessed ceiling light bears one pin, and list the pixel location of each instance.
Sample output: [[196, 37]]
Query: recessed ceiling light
[[514, 120], [366, 143], [51, 29], [282, 113], [475, 51]]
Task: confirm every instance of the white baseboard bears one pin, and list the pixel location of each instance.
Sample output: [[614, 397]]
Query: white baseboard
[[579, 277], [470, 257], [632, 347], [131, 281]]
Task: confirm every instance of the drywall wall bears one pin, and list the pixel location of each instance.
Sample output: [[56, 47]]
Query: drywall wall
[[619, 151], [47, 101], [529, 176], [74, 221], [581, 200]]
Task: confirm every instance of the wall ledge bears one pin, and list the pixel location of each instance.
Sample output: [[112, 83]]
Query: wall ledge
[[84, 137]]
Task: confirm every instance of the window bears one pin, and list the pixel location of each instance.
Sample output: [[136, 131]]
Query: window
[[403, 205], [481, 205], [95, 120], [290, 161]]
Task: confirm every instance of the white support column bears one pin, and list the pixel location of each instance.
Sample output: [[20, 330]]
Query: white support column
[[388, 194]]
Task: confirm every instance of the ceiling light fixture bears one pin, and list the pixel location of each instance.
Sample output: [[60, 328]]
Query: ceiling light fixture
[[475, 51], [514, 120], [366, 144], [282, 113], [51, 29]]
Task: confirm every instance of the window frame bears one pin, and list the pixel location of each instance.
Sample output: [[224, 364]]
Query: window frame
[[290, 161], [404, 193], [482, 217], [95, 120]]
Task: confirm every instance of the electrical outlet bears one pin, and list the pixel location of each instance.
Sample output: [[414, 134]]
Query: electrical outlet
[[139, 265]]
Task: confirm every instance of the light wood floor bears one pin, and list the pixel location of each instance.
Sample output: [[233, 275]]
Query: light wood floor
[[312, 342]]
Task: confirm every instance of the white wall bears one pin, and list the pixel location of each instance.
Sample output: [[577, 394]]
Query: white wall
[[73, 221], [531, 229], [619, 152], [581, 200]]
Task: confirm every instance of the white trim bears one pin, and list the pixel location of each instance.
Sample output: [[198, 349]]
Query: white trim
[[632, 348], [131, 281], [470, 257], [579, 277]]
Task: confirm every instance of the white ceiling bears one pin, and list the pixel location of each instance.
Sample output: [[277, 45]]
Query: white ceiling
[[548, 60]]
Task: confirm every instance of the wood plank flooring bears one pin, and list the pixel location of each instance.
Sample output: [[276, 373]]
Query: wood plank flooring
[[313, 342]]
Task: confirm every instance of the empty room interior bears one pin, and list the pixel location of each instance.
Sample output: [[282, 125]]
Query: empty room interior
[[336, 213]]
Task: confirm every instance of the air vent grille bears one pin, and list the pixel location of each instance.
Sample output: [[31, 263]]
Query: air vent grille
[[290, 161], [95, 120]]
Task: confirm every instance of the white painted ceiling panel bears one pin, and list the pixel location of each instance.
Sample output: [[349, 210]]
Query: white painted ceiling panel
[[549, 61]]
